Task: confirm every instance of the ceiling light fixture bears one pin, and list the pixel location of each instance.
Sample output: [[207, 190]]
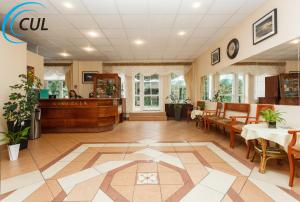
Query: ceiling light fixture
[[296, 41], [196, 4], [92, 34], [89, 49], [64, 54], [68, 5], [139, 42], [181, 33]]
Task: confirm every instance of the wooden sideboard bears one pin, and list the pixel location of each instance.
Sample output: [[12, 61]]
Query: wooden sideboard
[[169, 108], [79, 115]]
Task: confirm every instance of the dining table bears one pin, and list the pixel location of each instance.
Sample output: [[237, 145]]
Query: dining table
[[263, 134]]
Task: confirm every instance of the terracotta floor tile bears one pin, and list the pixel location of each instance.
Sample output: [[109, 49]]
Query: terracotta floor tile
[[54, 187], [250, 192], [125, 191], [109, 157], [168, 190], [209, 155], [164, 169], [187, 158], [42, 194], [196, 171], [226, 168]]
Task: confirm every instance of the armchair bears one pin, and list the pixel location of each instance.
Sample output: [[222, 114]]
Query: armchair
[[293, 154]]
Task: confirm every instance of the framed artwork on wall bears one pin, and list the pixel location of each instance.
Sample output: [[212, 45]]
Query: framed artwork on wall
[[215, 56], [265, 27], [87, 76]]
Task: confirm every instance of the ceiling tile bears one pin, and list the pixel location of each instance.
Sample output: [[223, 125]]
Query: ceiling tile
[[164, 7], [214, 20], [99, 41], [82, 21], [78, 7], [137, 33], [109, 21], [204, 32], [187, 21], [161, 21], [101, 6], [187, 6], [135, 21], [115, 33], [132, 6], [250, 6], [235, 20], [225, 6]]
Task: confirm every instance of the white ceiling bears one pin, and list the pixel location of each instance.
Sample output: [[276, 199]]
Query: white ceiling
[[286, 51], [120, 22]]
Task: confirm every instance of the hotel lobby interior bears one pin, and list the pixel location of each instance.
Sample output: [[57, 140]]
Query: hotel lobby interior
[[150, 100]]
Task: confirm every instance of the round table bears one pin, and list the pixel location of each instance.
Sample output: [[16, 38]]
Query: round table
[[263, 134]]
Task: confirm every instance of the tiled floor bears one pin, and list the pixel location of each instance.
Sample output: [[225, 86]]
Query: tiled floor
[[140, 162]]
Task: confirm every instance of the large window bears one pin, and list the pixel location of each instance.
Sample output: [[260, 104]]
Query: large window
[[206, 87], [57, 88], [259, 86], [226, 87], [178, 87], [240, 88], [146, 92], [55, 80]]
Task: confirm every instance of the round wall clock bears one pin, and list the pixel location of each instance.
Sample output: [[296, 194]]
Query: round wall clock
[[232, 48]]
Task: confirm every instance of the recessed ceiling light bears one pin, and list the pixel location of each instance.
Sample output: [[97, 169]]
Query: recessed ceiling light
[[92, 34], [68, 5], [196, 4], [296, 41], [181, 33], [89, 49], [139, 42], [64, 54]]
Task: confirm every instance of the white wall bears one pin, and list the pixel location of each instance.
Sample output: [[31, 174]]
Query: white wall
[[288, 29], [292, 65], [36, 61], [78, 68], [13, 62]]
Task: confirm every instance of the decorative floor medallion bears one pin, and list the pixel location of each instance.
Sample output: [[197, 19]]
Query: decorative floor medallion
[[148, 171]]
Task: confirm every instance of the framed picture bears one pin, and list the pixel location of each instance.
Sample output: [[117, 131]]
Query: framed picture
[[215, 56], [265, 27], [87, 77]]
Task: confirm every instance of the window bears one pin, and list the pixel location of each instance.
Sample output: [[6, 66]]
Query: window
[[241, 89], [259, 86], [137, 90], [57, 88], [55, 80], [206, 84], [146, 92], [178, 87], [226, 87], [151, 91]]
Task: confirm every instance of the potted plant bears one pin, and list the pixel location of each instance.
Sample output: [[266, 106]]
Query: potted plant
[[177, 106], [272, 117], [14, 139], [110, 88], [22, 101]]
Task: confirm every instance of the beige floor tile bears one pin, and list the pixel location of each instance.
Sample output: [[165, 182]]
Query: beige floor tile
[[124, 179], [164, 169], [225, 167], [147, 167], [125, 191], [187, 158], [209, 155], [173, 178], [196, 172], [109, 157], [54, 187], [147, 193], [43, 194], [168, 190], [250, 192]]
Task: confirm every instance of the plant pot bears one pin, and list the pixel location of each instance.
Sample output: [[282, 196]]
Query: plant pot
[[17, 127], [177, 111], [13, 151], [272, 124]]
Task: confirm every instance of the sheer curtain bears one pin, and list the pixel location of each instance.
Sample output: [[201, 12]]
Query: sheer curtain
[[188, 82]]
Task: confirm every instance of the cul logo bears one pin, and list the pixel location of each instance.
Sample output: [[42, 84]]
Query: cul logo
[[25, 24]]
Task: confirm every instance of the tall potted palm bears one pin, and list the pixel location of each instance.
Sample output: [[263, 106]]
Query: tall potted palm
[[177, 106], [22, 101]]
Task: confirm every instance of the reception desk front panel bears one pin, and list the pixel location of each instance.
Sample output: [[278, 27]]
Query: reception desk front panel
[[78, 115]]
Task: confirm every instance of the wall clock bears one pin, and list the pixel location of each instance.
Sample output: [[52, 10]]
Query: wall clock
[[232, 48]]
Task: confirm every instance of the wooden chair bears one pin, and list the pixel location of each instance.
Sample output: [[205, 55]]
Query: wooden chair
[[293, 154], [210, 115], [236, 127], [200, 119], [224, 122]]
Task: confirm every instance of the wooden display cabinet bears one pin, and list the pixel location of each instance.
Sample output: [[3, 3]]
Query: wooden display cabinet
[[289, 89], [107, 86]]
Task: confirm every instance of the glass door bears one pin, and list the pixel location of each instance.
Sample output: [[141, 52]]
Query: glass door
[[146, 92]]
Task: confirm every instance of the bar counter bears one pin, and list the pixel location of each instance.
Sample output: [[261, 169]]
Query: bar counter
[[78, 115]]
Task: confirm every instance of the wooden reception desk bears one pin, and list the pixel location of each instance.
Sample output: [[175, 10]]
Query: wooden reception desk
[[79, 115]]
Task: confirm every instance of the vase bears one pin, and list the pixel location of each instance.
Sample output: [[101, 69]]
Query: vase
[[13, 152], [272, 124]]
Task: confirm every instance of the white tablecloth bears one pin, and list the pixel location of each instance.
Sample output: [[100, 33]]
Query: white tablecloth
[[196, 113], [277, 135]]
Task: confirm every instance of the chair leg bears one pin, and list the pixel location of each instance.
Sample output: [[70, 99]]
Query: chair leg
[[232, 134], [249, 147], [292, 168], [253, 157]]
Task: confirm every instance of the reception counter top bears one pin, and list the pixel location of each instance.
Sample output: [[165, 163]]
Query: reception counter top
[[79, 115]]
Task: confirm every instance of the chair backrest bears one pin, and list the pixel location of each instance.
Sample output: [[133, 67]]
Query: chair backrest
[[237, 107], [200, 103], [261, 107], [219, 109]]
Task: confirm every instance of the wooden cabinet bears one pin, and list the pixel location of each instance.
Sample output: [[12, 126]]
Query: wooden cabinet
[[107, 85], [169, 108], [282, 89]]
